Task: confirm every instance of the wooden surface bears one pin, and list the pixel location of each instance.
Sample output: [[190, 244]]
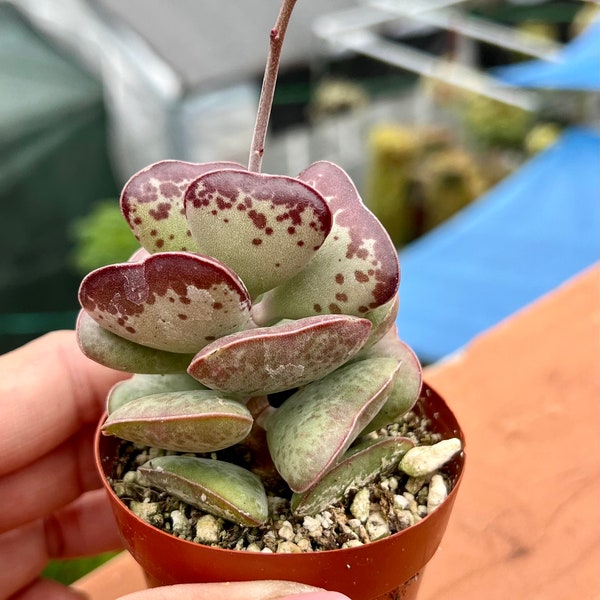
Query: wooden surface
[[526, 521]]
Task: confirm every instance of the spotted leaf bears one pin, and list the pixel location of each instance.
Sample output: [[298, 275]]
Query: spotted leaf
[[174, 301], [116, 352], [359, 466], [265, 227], [383, 318], [317, 424], [272, 359], [186, 421], [356, 269], [222, 489], [152, 203]]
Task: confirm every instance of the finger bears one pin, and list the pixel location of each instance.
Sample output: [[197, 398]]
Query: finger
[[47, 590], [317, 596], [84, 527], [247, 590], [31, 493], [48, 389]]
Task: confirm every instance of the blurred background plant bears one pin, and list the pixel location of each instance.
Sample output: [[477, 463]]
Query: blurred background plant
[[418, 177], [68, 571], [101, 237]]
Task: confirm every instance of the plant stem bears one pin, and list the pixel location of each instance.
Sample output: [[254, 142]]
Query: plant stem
[[267, 92]]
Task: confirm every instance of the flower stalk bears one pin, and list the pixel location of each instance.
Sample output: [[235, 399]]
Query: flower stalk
[[265, 103]]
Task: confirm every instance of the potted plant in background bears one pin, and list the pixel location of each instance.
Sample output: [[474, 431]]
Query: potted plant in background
[[275, 426]]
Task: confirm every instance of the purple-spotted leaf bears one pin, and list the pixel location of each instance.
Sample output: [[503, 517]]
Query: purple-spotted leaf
[[173, 301], [265, 227], [222, 489], [317, 424], [152, 203], [383, 318], [187, 421], [407, 387], [359, 466], [118, 353], [140, 385], [272, 359], [356, 269]]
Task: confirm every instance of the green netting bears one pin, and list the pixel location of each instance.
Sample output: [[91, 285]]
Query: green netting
[[54, 166]]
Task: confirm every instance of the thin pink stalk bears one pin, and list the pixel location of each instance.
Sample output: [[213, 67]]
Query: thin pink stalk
[[268, 85]]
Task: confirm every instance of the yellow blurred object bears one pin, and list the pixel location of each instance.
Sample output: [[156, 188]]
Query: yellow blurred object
[[584, 17], [451, 180], [417, 178], [394, 150], [541, 136]]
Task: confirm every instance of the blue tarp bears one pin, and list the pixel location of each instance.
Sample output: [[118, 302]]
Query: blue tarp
[[576, 67], [530, 233]]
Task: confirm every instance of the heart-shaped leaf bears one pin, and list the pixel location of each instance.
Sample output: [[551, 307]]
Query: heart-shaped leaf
[[265, 227], [140, 385], [174, 301], [188, 421], [272, 359], [407, 387], [317, 424], [222, 489], [152, 203], [357, 467], [116, 352], [355, 271]]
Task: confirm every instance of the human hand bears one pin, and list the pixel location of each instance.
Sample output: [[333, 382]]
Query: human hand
[[51, 397], [247, 590]]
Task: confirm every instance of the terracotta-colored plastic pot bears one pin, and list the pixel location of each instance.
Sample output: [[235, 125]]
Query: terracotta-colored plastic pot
[[388, 569]]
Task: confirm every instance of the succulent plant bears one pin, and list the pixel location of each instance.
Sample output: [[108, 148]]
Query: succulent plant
[[250, 286]]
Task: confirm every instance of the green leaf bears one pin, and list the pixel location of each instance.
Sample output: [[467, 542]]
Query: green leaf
[[409, 381], [118, 353], [173, 301], [317, 424], [264, 227], [358, 467], [140, 385], [272, 359], [222, 489], [188, 421]]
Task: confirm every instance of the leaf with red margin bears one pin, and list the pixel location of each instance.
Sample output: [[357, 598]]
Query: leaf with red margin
[[316, 425], [355, 271], [272, 359], [173, 301], [357, 468], [408, 384], [183, 421], [152, 203], [143, 384], [219, 488], [265, 227]]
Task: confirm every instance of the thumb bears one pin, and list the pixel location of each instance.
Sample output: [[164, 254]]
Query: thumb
[[246, 590]]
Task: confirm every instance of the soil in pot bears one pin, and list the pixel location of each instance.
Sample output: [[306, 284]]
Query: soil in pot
[[394, 504]]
